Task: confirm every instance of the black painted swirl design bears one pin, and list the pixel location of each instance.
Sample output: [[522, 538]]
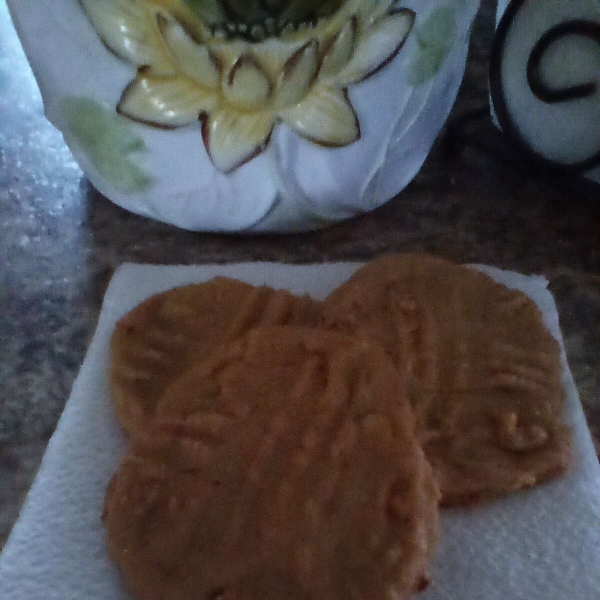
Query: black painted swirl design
[[541, 89], [580, 27]]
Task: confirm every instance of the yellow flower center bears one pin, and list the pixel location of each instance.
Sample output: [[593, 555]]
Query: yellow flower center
[[252, 20]]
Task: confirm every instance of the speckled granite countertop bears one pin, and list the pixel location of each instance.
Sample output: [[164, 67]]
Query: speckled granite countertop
[[60, 242]]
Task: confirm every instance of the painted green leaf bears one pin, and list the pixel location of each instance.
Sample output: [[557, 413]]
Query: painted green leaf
[[108, 142], [427, 64], [439, 28], [435, 38]]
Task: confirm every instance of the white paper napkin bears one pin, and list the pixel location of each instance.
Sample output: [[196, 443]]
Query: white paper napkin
[[543, 544]]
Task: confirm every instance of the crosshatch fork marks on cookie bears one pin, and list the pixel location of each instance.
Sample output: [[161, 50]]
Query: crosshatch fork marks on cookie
[[322, 474]]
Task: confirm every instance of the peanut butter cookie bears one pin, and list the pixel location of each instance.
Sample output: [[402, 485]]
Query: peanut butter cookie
[[158, 340], [484, 373], [285, 466]]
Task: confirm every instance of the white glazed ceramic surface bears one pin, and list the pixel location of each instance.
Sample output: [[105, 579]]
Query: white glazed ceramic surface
[[247, 158], [554, 130]]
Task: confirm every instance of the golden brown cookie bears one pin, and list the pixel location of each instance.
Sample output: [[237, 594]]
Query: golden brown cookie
[[484, 372], [286, 466], [158, 340]]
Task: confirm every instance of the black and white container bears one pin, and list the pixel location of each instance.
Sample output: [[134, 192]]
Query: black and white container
[[545, 82]]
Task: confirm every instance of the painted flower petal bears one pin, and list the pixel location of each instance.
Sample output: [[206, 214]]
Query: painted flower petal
[[298, 75], [233, 138], [273, 53], [127, 29], [247, 85], [325, 116], [340, 52], [370, 12], [165, 101], [191, 58], [378, 46]]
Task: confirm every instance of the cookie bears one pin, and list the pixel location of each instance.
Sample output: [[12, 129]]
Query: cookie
[[484, 373], [158, 340], [285, 466]]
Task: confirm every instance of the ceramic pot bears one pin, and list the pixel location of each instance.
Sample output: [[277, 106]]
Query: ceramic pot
[[545, 82], [263, 115]]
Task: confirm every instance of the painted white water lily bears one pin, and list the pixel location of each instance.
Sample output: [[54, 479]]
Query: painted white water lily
[[240, 80]]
